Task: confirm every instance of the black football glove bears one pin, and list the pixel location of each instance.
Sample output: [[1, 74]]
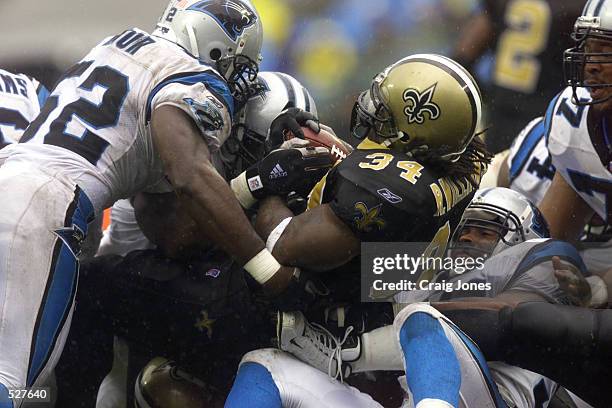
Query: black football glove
[[281, 172], [290, 120]]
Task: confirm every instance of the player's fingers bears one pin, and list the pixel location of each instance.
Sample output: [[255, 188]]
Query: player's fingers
[[294, 142], [295, 128], [314, 151], [302, 117], [313, 125], [565, 273], [556, 261], [564, 276]]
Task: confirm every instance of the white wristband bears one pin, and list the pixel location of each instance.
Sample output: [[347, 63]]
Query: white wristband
[[262, 266], [599, 291], [240, 186], [276, 233]]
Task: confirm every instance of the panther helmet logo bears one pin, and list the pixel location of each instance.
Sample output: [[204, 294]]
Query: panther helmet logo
[[419, 103], [233, 16]]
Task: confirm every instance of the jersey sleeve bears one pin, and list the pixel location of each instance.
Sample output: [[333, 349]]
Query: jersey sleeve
[[42, 93], [204, 96], [523, 146], [373, 215]]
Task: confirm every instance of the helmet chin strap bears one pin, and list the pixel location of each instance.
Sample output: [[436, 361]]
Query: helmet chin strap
[[193, 42]]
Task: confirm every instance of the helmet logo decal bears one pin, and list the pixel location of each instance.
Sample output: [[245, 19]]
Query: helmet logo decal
[[232, 16], [419, 103]]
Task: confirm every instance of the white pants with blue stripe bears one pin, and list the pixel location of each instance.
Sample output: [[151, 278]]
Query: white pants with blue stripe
[[482, 384], [301, 386], [442, 364], [38, 272]]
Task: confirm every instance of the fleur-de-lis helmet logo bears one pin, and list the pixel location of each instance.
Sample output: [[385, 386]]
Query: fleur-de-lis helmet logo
[[419, 103]]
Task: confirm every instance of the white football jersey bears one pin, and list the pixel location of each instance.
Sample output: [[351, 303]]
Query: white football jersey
[[94, 128], [573, 153], [20, 100], [529, 163]]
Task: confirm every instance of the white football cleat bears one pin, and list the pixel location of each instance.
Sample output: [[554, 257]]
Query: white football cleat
[[312, 343]]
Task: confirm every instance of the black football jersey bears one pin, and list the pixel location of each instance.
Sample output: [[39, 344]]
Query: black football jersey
[[383, 195], [531, 36]]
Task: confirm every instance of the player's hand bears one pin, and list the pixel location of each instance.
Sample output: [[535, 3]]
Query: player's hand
[[284, 171], [290, 120], [572, 282], [294, 142], [281, 172]]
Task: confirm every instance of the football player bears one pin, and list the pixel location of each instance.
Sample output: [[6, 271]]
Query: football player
[[409, 179], [443, 367], [273, 92], [20, 100], [183, 300], [577, 129], [526, 38], [139, 111], [529, 170]]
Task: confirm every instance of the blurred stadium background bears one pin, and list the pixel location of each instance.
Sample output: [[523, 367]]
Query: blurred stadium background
[[334, 47]]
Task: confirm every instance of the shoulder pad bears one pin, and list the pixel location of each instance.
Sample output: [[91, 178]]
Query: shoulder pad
[[542, 250], [377, 172], [378, 205]]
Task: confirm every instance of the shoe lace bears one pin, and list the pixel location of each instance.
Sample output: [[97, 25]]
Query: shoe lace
[[334, 345]]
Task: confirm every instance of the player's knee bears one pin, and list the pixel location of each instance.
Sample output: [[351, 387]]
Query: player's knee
[[5, 401], [427, 349], [409, 314], [254, 385]]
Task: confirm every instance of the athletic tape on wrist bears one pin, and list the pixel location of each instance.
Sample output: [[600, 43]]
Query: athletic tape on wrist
[[599, 291], [276, 233], [262, 266], [240, 186]]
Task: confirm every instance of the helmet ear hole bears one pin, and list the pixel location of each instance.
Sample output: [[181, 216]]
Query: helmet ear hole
[[215, 54]]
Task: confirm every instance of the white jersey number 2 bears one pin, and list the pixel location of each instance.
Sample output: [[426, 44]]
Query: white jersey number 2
[[69, 129]]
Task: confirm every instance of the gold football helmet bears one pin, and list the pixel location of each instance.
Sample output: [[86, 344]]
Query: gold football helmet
[[422, 102], [162, 384]]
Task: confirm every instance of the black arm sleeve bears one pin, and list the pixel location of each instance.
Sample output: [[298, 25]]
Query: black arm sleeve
[[570, 345]]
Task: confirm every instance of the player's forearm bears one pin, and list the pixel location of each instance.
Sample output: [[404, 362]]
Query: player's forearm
[[504, 299], [564, 210], [272, 210], [220, 216], [316, 240]]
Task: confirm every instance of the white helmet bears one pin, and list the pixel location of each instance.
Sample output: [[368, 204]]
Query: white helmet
[[272, 93], [506, 212], [595, 22], [226, 34]]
